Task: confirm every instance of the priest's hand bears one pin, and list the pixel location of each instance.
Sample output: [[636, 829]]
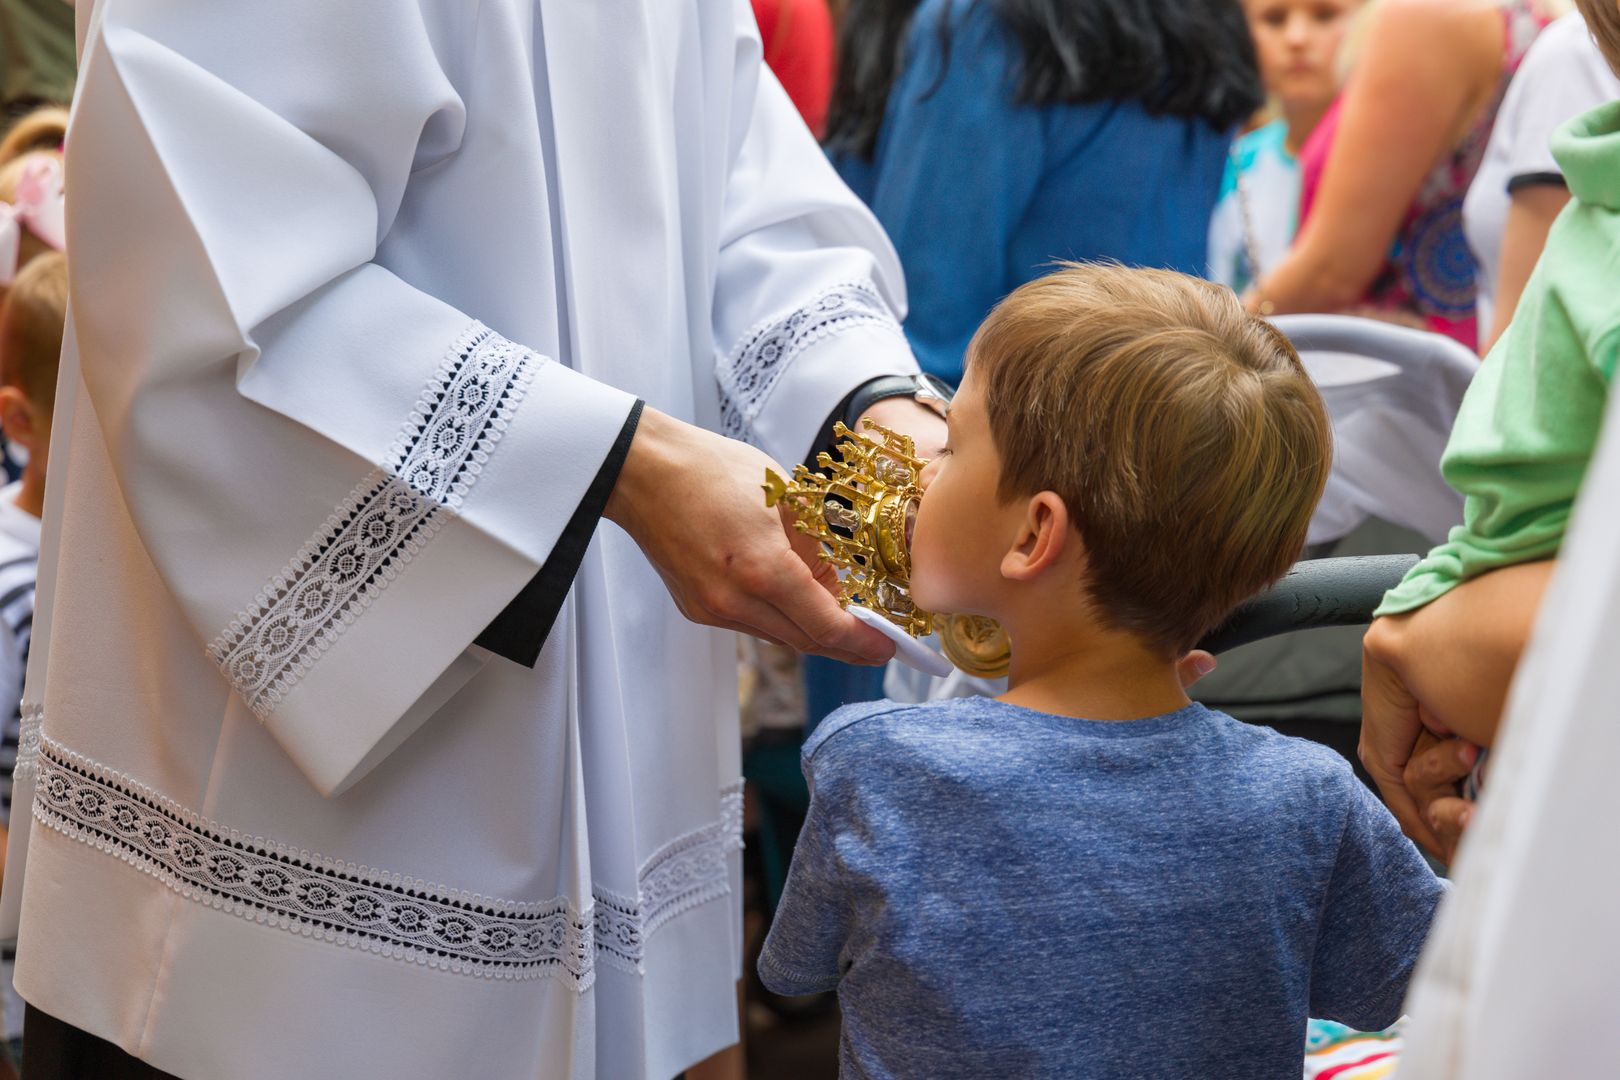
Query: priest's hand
[[907, 416], [692, 500]]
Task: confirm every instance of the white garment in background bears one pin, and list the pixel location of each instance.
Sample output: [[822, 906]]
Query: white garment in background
[[1522, 970], [19, 558], [287, 822], [1259, 201], [1563, 75], [19, 552]]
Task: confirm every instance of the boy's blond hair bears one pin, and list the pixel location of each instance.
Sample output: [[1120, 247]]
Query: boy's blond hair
[[32, 317], [1183, 434]]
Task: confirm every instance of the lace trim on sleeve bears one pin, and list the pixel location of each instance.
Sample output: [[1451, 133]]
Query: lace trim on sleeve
[[382, 525], [750, 373], [367, 908]]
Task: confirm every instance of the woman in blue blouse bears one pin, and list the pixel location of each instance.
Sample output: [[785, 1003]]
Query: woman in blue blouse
[[992, 137]]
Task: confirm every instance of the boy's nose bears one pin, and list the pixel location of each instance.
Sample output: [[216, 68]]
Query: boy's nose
[[926, 477]]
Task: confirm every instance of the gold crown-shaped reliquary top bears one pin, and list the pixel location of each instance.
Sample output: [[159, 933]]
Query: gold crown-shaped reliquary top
[[862, 509]]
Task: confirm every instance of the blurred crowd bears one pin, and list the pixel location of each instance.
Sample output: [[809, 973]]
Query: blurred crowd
[[1390, 160]]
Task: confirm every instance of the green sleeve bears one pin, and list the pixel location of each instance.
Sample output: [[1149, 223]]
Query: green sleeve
[[1531, 418]]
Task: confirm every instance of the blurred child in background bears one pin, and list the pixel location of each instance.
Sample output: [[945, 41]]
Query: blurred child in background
[[1298, 44], [31, 322]]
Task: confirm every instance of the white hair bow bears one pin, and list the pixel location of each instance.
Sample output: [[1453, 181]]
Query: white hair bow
[[39, 206]]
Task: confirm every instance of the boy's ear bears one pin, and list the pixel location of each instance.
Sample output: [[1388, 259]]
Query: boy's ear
[[1042, 537], [17, 417]]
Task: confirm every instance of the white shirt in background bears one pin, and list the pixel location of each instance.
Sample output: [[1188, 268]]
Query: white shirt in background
[[1562, 76], [19, 561]]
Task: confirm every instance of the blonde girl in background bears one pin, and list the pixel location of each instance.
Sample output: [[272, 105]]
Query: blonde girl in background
[[31, 202], [1299, 45], [1385, 172]]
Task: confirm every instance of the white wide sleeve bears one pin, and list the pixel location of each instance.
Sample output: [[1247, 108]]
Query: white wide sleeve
[[809, 292], [342, 479]]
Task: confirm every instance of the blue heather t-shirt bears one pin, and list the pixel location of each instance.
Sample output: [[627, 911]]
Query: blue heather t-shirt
[[996, 891]]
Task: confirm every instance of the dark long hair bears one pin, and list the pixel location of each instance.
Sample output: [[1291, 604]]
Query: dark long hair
[[1191, 58]]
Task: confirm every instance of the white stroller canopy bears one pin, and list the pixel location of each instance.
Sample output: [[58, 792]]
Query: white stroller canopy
[[1393, 395]]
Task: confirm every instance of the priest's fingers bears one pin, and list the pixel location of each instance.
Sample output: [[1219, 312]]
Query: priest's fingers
[[747, 601], [761, 614], [831, 630], [909, 416], [1438, 766], [809, 550]]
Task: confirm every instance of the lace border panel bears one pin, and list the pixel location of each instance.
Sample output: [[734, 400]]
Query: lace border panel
[[366, 908], [764, 353], [384, 522], [682, 874]]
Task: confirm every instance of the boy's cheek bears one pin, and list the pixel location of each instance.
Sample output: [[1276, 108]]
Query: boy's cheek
[[929, 572]]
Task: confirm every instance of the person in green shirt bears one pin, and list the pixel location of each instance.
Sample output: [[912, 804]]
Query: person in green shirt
[[37, 65], [1438, 660]]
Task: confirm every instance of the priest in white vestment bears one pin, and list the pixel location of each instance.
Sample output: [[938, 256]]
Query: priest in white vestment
[[354, 747]]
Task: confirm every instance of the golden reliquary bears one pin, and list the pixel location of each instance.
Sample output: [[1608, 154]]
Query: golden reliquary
[[862, 509]]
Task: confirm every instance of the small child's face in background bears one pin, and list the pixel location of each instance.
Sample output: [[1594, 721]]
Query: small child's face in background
[[963, 529], [1297, 43]]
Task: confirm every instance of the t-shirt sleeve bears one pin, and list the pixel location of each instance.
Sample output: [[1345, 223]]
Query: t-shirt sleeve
[[804, 952], [1562, 76], [1527, 427], [1379, 905]]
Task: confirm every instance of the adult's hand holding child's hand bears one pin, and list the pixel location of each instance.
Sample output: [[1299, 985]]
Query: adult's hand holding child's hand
[[1444, 669], [1434, 776]]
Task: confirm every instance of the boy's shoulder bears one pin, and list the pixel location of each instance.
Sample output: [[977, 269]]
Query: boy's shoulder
[[1272, 754], [876, 736], [861, 737], [866, 721]]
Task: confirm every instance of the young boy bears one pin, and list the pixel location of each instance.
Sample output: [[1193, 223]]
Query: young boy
[[1091, 876]]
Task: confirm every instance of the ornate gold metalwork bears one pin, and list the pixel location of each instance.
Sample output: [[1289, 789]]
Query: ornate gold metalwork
[[862, 508], [975, 644]]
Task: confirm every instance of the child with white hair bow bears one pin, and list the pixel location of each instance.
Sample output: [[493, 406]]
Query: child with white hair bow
[[31, 191]]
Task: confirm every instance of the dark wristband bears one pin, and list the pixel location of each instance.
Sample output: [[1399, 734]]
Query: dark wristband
[[869, 393]]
